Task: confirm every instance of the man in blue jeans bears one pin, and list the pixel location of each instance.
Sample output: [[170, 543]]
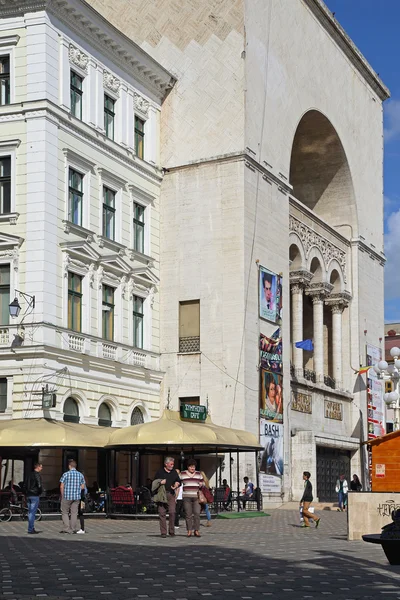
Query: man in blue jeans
[[33, 492]]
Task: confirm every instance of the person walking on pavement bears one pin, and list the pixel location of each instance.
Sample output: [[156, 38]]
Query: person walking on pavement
[[168, 477], [81, 508], [206, 506], [342, 489], [355, 484], [306, 500], [179, 503], [34, 490], [192, 482], [72, 483]]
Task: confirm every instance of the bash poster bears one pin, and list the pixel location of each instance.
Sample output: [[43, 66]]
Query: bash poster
[[271, 457]]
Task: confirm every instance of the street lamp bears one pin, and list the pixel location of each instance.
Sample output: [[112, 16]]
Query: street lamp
[[392, 373], [15, 308]]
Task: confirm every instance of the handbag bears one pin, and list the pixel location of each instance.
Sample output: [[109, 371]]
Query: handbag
[[201, 497], [208, 495]]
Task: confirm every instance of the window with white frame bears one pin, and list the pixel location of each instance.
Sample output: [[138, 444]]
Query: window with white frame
[[109, 116], [138, 227], [138, 316], [3, 395], [75, 197], [139, 137], [109, 213], [4, 294], [108, 308], [75, 302], [5, 185], [5, 87], [76, 94]]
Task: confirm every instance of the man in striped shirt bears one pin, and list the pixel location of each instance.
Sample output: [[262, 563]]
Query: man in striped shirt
[[192, 481]]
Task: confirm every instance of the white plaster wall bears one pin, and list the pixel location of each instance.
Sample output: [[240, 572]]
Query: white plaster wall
[[292, 66]]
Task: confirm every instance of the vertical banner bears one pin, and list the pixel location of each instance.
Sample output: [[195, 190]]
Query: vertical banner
[[375, 403], [270, 295], [271, 413]]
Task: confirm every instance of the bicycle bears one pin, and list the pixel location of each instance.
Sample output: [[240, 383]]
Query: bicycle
[[6, 514]]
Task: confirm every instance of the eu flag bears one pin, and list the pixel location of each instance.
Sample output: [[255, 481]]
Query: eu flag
[[305, 345]]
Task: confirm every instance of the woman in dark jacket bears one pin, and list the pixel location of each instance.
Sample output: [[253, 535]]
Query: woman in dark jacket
[[355, 484], [306, 500]]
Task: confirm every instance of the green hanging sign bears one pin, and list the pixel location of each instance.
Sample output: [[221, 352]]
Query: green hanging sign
[[193, 412]]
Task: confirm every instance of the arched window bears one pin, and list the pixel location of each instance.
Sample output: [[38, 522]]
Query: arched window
[[71, 410], [104, 415], [137, 416]]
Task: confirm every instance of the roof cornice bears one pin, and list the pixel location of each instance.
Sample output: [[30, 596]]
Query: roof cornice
[[88, 24], [345, 43]]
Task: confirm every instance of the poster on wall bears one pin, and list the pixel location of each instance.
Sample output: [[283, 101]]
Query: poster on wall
[[270, 295], [271, 398], [376, 410], [271, 457]]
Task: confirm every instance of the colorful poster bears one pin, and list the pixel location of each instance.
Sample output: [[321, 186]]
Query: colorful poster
[[376, 410], [271, 400], [271, 457], [270, 294]]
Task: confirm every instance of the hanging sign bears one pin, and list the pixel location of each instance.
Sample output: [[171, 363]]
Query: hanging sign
[[193, 412]]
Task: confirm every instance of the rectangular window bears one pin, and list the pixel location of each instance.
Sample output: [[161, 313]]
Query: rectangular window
[[138, 227], [109, 116], [5, 184], [74, 302], [3, 395], [4, 80], [139, 137], [138, 321], [189, 326], [4, 294], [108, 213], [108, 312], [76, 95], [75, 197]]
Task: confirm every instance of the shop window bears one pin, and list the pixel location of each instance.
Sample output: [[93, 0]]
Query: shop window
[[105, 415], [71, 411]]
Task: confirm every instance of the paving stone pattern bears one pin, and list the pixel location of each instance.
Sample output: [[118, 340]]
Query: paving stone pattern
[[244, 559]]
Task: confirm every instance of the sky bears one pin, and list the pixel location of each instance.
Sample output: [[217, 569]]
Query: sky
[[373, 26]]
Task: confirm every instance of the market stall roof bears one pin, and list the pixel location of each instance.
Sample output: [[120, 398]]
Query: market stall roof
[[49, 433], [383, 438], [173, 433]]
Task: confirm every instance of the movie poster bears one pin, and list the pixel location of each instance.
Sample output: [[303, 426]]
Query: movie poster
[[271, 398], [271, 457], [270, 294]]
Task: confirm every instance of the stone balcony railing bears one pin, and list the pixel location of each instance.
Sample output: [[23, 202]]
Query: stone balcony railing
[[15, 336]]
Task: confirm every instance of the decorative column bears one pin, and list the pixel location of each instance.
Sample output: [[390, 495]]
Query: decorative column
[[337, 302], [318, 292], [296, 290], [298, 281]]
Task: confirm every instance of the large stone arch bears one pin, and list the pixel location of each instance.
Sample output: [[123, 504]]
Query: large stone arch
[[297, 255], [320, 172]]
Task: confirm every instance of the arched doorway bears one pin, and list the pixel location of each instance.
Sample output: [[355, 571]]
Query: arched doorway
[[320, 173], [71, 411]]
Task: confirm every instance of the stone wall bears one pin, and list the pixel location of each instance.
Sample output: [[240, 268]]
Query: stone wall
[[368, 512]]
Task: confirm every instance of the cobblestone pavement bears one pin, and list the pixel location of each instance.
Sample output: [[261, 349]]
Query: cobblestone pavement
[[247, 559]]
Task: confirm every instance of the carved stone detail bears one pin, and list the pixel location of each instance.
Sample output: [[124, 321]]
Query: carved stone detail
[[124, 281], [141, 105], [91, 274], [13, 255], [78, 58], [299, 280], [319, 291], [338, 302], [310, 238], [111, 82]]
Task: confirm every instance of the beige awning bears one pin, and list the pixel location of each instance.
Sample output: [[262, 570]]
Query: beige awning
[[170, 431], [47, 433]]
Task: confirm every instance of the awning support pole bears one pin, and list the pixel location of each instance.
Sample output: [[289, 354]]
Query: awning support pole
[[238, 477], [216, 478], [258, 483]]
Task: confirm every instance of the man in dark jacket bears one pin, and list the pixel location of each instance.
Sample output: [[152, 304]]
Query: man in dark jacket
[[33, 491], [306, 500]]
